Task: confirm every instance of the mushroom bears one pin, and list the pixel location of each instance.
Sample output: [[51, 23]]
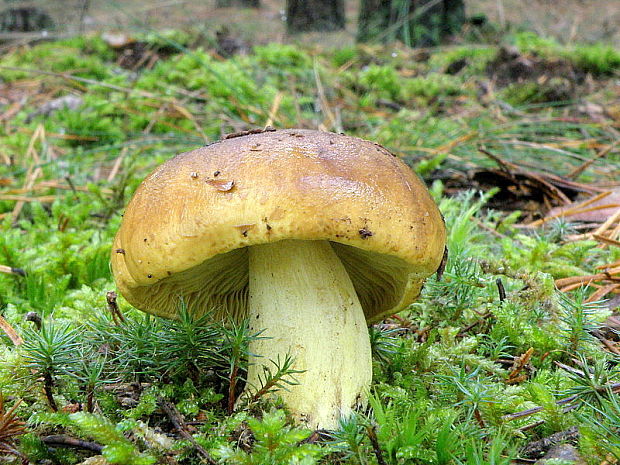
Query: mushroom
[[311, 235]]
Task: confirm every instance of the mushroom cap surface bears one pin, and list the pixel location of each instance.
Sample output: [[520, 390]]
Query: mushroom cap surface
[[185, 232]]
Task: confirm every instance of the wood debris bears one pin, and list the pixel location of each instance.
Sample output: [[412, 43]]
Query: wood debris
[[12, 270], [520, 368], [10, 332]]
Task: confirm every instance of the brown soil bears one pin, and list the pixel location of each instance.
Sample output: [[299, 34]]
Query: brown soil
[[510, 66]]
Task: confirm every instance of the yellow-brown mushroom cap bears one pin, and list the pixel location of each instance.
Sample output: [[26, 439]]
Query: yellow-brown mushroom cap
[[185, 233]]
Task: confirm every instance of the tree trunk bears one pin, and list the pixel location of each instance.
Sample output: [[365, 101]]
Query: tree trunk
[[314, 15], [238, 3], [420, 23], [374, 20], [453, 16], [25, 19]]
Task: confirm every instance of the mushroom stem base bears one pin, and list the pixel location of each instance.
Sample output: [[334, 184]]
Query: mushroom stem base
[[303, 299]]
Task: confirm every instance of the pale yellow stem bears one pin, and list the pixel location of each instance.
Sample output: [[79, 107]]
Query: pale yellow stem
[[302, 296]]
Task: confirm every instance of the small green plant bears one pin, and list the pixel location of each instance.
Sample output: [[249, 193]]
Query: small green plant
[[274, 379], [471, 390], [554, 90], [578, 318], [476, 58], [41, 295], [530, 42], [495, 348], [283, 57], [91, 373], [350, 439], [118, 449], [476, 453], [383, 343], [133, 344], [237, 338], [344, 55], [603, 424], [459, 288], [191, 344], [599, 59], [557, 230], [49, 353], [404, 434], [592, 382], [275, 443]]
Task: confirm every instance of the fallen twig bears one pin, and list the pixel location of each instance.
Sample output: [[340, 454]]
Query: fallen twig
[[177, 420], [86, 81], [606, 240], [538, 448], [10, 332], [275, 106], [482, 318], [609, 275], [34, 171], [21, 199], [500, 289], [52, 184], [65, 441], [569, 369], [12, 270], [609, 286], [581, 168], [615, 388], [117, 315], [371, 431]]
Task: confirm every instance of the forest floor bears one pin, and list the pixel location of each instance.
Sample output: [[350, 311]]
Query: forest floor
[[511, 356]]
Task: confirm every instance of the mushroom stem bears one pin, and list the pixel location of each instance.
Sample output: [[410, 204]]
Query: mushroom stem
[[303, 299]]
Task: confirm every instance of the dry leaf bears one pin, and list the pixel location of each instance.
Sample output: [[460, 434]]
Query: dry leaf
[[598, 211]]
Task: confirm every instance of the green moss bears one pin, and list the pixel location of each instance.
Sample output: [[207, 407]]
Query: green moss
[[554, 90], [342, 56], [476, 58], [283, 57], [382, 82], [596, 59], [432, 86], [530, 42], [73, 57]]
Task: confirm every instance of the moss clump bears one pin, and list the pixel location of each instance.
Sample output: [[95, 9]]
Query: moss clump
[[597, 59], [556, 89]]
